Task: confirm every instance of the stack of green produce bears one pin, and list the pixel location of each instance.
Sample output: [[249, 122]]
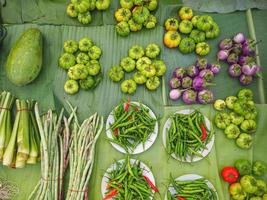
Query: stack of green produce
[[149, 68], [239, 123], [134, 15], [246, 180], [19, 145], [196, 30], [132, 125], [82, 9], [81, 60]]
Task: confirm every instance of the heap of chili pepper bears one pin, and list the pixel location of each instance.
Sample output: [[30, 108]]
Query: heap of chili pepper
[[132, 125], [191, 189], [126, 181], [187, 135]]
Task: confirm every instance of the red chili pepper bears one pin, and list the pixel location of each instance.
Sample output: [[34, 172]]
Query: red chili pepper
[[230, 174], [111, 194], [180, 198], [127, 105], [153, 187], [116, 132], [204, 132]]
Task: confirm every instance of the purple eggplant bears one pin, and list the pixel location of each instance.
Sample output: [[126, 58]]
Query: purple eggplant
[[179, 72], [249, 69], [187, 82], [199, 83], [174, 83], [202, 63], [192, 71], [222, 55], [234, 70], [189, 96], [207, 75], [232, 59], [242, 60], [226, 44], [245, 79], [237, 49], [239, 38], [249, 48], [205, 96], [215, 68], [175, 94]]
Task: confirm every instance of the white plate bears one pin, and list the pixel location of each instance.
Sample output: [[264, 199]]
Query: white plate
[[139, 148], [204, 152], [191, 177], [146, 172]]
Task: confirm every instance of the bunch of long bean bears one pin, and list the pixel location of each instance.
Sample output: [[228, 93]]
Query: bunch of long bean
[[191, 190], [132, 125], [82, 152], [187, 135], [126, 181], [55, 140]]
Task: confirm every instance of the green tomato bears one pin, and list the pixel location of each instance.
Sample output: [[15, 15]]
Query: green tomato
[[134, 26], [140, 14], [128, 4], [71, 10], [249, 125], [85, 44], [153, 83], [66, 60], [87, 83], [139, 78], [138, 2], [94, 53], [128, 64], [251, 113], [185, 26], [232, 131], [82, 58], [244, 141], [128, 86], [204, 23], [71, 87], [70, 46], [102, 4], [123, 29], [194, 20], [185, 13], [150, 22], [171, 24], [151, 4], [249, 184], [187, 45], [81, 5], [230, 102], [92, 5], [80, 71], [245, 94], [85, 18], [160, 67], [259, 168], [262, 188], [243, 166], [136, 52], [93, 67], [116, 73], [237, 192], [123, 14], [197, 36], [202, 48], [149, 71], [152, 50], [142, 63], [235, 118], [222, 120], [213, 32], [219, 104]]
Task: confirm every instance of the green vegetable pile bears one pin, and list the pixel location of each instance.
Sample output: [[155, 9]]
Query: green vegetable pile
[[18, 145], [239, 123], [82, 9], [81, 60], [126, 181], [132, 125], [187, 136], [250, 184], [191, 189], [134, 15], [149, 68], [196, 30]]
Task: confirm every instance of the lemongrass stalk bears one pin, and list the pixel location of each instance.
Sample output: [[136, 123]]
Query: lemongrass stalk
[[32, 159]]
